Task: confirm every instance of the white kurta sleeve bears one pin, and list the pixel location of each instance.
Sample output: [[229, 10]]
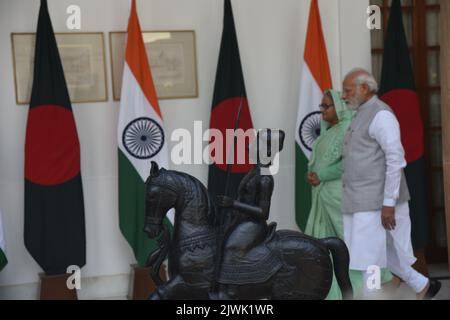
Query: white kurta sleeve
[[385, 129]]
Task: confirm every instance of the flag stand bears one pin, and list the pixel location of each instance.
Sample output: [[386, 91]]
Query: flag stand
[[142, 285], [55, 288]]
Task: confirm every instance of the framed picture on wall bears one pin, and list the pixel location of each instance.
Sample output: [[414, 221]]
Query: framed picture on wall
[[173, 61], [83, 59]]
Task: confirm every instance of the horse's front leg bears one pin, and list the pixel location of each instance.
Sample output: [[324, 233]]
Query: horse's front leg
[[174, 289]]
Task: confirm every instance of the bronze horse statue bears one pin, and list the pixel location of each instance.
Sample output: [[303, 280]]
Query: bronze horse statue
[[305, 270]]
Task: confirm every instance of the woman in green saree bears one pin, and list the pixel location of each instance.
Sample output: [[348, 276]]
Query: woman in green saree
[[325, 172]]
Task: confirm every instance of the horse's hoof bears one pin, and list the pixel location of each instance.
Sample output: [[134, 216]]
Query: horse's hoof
[[219, 296], [213, 296], [154, 296]]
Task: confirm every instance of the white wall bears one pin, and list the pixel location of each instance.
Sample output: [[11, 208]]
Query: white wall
[[271, 37]]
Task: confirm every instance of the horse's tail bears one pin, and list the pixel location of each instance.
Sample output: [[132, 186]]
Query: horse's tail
[[341, 263]]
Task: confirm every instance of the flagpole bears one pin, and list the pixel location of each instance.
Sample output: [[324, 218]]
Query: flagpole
[[221, 234], [230, 162]]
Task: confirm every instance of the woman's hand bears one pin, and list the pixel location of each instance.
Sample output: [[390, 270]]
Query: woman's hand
[[313, 179], [224, 201], [309, 178]]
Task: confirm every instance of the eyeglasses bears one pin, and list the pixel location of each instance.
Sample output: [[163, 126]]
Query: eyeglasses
[[325, 106]]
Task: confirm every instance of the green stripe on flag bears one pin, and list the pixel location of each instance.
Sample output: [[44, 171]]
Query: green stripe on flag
[[302, 189], [132, 210]]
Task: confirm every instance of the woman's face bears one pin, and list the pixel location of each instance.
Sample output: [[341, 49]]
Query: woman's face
[[328, 110]]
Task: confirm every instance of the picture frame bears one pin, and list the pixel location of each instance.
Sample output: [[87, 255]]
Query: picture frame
[[173, 62], [83, 59]]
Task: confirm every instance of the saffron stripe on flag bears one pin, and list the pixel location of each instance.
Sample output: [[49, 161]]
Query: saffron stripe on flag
[[141, 139], [315, 79]]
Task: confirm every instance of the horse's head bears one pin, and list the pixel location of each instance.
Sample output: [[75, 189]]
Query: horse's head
[[161, 196]]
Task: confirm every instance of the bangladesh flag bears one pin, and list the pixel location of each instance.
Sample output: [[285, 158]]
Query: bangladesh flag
[[397, 89], [141, 139], [230, 111], [54, 206], [315, 79]]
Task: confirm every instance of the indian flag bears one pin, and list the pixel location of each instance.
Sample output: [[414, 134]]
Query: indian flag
[[3, 260], [141, 139], [315, 79]]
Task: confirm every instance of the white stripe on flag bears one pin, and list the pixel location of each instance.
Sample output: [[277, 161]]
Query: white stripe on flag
[[134, 105], [310, 98]]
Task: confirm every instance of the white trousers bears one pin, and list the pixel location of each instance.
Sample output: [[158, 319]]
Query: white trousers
[[370, 244]]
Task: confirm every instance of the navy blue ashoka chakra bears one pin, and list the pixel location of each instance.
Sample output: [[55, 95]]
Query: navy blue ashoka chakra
[[143, 138], [309, 129]]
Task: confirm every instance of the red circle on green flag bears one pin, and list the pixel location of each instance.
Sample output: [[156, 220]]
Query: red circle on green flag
[[224, 117], [406, 106], [52, 149]]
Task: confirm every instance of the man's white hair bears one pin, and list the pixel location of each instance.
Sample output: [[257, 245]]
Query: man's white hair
[[363, 76]]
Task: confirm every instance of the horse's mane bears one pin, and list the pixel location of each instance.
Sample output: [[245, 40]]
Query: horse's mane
[[180, 182]]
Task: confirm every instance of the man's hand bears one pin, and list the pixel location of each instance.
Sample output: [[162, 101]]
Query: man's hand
[[388, 218]]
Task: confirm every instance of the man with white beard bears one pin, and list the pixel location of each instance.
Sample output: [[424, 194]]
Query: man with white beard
[[377, 226]]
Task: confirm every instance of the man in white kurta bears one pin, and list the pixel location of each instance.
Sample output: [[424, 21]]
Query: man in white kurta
[[377, 226]]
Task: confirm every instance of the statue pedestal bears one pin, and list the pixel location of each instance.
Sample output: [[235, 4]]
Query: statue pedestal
[[142, 285], [55, 288]]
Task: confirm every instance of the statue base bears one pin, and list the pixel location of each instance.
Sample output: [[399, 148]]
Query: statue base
[[55, 288], [142, 285]]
